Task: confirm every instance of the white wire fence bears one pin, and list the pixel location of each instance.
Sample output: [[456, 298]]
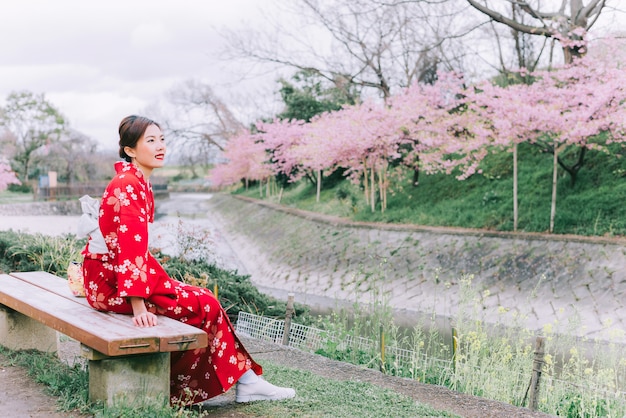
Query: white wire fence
[[312, 339], [579, 398]]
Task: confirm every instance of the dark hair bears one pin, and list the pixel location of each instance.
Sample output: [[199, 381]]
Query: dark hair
[[131, 130]]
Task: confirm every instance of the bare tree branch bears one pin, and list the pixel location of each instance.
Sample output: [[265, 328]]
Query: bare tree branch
[[498, 17], [201, 120], [375, 45], [559, 24]]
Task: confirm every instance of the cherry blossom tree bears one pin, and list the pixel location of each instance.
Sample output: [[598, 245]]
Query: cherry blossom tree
[[569, 111], [352, 139], [279, 138], [360, 139], [7, 176], [589, 100], [246, 161], [493, 102], [446, 127], [444, 131], [564, 112]]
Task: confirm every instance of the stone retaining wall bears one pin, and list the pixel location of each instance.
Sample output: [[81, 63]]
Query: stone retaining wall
[[67, 207], [571, 284]]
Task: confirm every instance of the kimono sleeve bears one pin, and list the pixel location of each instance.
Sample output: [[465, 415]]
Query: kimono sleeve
[[127, 200]]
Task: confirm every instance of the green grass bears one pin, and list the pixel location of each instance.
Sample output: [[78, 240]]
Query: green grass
[[7, 197], [69, 384], [592, 206], [316, 396], [323, 397]]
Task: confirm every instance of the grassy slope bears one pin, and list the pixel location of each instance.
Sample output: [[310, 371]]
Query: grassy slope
[[594, 205]]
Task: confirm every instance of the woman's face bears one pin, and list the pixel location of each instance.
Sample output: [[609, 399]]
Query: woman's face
[[149, 153]]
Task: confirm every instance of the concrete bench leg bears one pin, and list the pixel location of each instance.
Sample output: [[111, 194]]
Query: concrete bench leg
[[19, 332], [133, 380]]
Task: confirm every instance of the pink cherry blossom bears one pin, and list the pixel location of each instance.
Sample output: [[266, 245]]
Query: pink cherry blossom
[[7, 176], [447, 127]]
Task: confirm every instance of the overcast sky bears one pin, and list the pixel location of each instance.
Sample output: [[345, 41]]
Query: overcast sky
[[98, 61]]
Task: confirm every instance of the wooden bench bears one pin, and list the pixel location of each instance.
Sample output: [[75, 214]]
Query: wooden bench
[[126, 363]]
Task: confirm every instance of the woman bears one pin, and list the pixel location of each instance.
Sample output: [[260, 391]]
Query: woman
[[125, 278]]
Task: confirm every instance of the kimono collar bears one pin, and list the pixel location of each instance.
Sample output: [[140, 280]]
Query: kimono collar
[[126, 167]]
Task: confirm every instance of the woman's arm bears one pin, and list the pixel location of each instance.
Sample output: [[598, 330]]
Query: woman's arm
[[141, 316]]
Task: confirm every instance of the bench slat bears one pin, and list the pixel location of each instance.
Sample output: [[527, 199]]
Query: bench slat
[[49, 282], [46, 298]]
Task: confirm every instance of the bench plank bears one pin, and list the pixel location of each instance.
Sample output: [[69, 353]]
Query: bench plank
[[49, 282], [46, 298]]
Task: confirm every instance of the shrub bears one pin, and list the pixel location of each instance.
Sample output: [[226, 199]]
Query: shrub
[[20, 188], [26, 252], [235, 291]]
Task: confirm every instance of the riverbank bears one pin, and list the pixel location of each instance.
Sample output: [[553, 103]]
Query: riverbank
[[570, 285]]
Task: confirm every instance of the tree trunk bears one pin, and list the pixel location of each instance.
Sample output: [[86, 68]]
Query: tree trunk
[[386, 186], [365, 186], [571, 170], [555, 167], [319, 186], [381, 190], [373, 190], [515, 213], [575, 168]]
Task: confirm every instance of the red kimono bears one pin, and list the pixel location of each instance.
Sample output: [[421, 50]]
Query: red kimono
[[128, 269]]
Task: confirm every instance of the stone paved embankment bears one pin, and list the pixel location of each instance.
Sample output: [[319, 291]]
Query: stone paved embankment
[[571, 284]]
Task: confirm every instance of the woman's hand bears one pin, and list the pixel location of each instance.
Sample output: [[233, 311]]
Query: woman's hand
[[146, 319], [141, 316]]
